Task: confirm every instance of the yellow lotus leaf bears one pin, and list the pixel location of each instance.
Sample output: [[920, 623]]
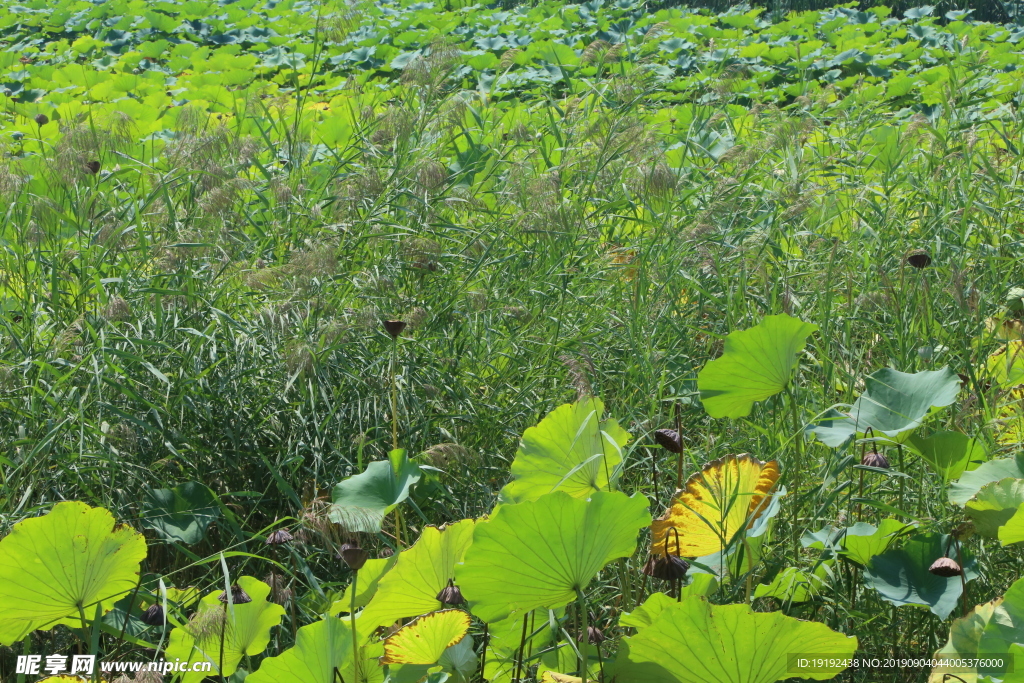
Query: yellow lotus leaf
[[1009, 422], [552, 677], [1005, 366], [425, 639], [725, 497]]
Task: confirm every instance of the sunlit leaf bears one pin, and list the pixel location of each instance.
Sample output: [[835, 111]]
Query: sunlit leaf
[[425, 639], [411, 587], [55, 568], [695, 642], [243, 629], [994, 504], [538, 553], [726, 497], [757, 363], [322, 654], [573, 449]]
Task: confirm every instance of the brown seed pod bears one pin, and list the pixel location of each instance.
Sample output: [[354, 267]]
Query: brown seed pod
[[919, 258], [238, 596], [154, 616], [666, 567], [42, 119], [944, 566], [450, 594], [279, 537], [594, 635], [669, 440], [354, 556], [875, 459], [92, 167], [394, 327], [386, 552]]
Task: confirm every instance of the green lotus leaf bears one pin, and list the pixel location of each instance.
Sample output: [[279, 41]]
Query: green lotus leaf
[[702, 585], [362, 501], [322, 653], [968, 485], [56, 567], [182, 513], [796, 585], [994, 504], [949, 453], [410, 589], [367, 580], [571, 450], [1013, 530], [893, 402], [695, 642], [539, 553], [901, 575], [757, 363], [245, 627], [859, 542], [992, 628]]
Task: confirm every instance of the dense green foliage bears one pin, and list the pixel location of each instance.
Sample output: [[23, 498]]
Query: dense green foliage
[[211, 207]]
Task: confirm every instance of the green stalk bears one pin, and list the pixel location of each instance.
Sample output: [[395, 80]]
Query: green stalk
[[394, 395], [584, 654], [352, 617]]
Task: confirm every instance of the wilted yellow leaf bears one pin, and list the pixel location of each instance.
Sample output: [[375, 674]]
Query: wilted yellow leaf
[[725, 497], [552, 677], [425, 639]]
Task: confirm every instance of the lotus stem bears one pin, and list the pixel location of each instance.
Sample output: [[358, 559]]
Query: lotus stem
[[483, 656], [584, 645], [518, 672], [352, 618], [223, 628], [394, 394], [679, 455]]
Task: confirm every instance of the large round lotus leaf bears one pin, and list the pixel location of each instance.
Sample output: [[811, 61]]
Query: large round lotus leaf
[[994, 504], [362, 501], [1013, 530], [539, 553], [322, 654], [703, 585], [893, 402], [901, 575], [246, 628], [424, 640], [968, 485], [54, 567], [182, 513], [571, 450], [726, 497], [695, 642], [366, 584], [756, 363], [411, 587], [949, 453]]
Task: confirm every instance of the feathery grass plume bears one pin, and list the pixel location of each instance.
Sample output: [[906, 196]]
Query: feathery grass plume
[[447, 454], [661, 180], [508, 59], [117, 310], [432, 68], [392, 127], [123, 438], [206, 623], [298, 357], [595, 51], [577, 376], [431, 175], [656, 31], [420, 253]]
